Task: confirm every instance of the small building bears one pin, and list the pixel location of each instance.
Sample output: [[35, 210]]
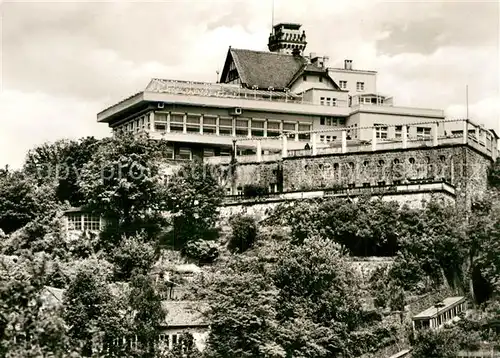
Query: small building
[[184, 317], [79, 220], [441, 313]]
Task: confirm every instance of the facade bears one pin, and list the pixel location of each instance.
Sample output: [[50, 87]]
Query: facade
[[262, 96], [443, 312]]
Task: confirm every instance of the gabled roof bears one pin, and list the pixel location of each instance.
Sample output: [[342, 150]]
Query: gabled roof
[[316, 70], [185, 313], [263, 69]]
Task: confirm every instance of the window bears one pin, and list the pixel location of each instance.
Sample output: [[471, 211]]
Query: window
[[334, 102], [304, 78], [225, 126], [209, 124], [185, 154], [74, 221], [322, 121], [381, 131], [257, 128], [83, 221], [366, 185], [322, 101], [423, 132], [396, 161], [321, 138], [273, 129], [360, 86], [176, 122], [321, 79], [208, 152], [304, 128], [343, 84], [169, 152], [399, 131], [412, 160], [242, 127], [328, 99], [341, 121]]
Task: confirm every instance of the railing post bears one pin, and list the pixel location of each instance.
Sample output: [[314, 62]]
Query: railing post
[[465, 131], [168, 122], [201, 123], [284, 146], [152, 121], [404, 136], [434, 134], [184, 123], [344, 142], [314, 144], [259, 151], [374, 138]]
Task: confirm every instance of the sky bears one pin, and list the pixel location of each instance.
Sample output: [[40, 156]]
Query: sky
[[62, 62]]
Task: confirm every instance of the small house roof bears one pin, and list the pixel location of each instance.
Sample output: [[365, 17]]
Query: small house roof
[[185, 313], [443, 306]]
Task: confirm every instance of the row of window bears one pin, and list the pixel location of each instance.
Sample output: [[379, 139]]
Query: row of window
[[331, 121], [328, 101], [83, 222], [360, 86], [242, 126], [136, 125], [382, 132]]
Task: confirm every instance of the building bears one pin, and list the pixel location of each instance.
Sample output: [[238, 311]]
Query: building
[[440, 314], [263, 95]]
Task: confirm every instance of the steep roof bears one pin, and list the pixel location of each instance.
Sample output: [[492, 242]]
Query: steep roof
[[185, 313], [263, 69]]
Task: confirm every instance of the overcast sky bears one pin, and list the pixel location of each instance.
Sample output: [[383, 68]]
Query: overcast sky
[[62, 62]]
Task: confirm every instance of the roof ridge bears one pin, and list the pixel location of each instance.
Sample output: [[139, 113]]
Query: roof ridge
[[266, 52]]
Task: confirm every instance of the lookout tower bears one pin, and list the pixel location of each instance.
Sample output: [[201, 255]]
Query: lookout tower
[[287, 38]]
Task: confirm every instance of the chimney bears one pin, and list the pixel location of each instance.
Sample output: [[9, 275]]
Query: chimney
[[325, 61], [348, 64]]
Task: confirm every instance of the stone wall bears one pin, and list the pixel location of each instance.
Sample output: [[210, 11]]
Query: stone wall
[[460, 165]]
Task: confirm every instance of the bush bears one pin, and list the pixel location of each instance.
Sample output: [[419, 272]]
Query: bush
[[254, 190], [203, 251], [132, 254], [244, 233]]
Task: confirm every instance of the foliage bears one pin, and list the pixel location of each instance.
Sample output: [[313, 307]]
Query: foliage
[[254, 190], [436, 344], [61, 163], [22, 200], [494, 174], [184, 348], [281, 300], [244, 232], [133, 254], [193, 196], [123, 183], [30, 326], [204, 251], [90, 308], [146, 312]]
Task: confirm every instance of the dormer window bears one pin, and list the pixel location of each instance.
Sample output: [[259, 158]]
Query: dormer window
[[343, 84]]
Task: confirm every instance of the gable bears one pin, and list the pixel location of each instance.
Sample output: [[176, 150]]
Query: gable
[[261, 69]]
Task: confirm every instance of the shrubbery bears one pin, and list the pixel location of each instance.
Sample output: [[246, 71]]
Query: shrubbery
[[244, 233]]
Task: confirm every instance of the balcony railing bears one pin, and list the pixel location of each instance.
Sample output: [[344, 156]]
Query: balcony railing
[[223, 90]]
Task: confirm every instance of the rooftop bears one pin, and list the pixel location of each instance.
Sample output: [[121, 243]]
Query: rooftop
[[185, 313], [442, 306]]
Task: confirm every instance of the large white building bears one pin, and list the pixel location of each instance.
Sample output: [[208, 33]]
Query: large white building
[[263, 95]]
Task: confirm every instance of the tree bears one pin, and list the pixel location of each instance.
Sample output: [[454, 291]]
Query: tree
[[194, 195], [146, 314], [123, 183], [30, 325], [91, 311], [435, 344], [184, 348], [244, 232], [21, 201], [61, 163], [133, 254]]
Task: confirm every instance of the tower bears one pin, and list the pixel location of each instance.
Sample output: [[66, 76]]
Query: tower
[[287, 38]]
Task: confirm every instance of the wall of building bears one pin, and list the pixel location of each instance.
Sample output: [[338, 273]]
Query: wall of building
[[369, 79], [461, 166]]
